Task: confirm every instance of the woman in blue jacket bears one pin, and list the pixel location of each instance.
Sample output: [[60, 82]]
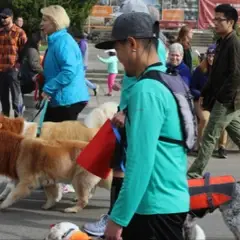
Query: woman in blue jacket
[[64, 84], [175, 62]]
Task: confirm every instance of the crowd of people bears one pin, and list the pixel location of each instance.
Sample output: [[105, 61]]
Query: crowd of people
[[149, 196]]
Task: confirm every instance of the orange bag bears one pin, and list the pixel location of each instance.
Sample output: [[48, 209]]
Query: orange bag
[[97, 155], [210, 192]]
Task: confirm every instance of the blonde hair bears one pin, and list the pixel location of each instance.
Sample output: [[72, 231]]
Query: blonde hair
[[58, 15]]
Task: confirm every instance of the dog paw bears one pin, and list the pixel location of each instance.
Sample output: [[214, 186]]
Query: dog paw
[[47, 205], [72, 210], [3, 206]]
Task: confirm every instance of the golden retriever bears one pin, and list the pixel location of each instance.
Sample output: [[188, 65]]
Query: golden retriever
[[68, 130], [36, 162]]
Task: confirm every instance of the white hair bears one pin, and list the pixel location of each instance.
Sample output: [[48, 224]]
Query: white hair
[[58, 14], [176, 48]]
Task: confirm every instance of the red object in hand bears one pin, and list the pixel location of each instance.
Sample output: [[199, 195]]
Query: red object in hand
[[97, 155]]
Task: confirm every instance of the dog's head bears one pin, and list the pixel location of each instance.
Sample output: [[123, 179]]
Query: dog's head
[[191, 230], [66, 231], [14, 125]]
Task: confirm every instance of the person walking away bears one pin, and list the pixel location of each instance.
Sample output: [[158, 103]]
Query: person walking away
[[64, 78], [199, 79], [154, 199], [185, 36], [12, 41], [83, 44], [224, 85], [176, 64], [112, 63]]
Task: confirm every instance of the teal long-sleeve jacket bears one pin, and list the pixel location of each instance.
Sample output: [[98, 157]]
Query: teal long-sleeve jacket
[[155, 178]]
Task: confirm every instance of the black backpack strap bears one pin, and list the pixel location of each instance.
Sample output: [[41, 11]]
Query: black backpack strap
[[154, 74]]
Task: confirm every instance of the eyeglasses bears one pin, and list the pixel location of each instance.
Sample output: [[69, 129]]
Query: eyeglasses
[[219, 20]]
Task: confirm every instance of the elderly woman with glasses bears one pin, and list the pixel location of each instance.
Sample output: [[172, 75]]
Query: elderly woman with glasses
[[64, 84], [175, 62]]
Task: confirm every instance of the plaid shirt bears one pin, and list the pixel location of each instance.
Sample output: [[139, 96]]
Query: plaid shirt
[[11, 43]]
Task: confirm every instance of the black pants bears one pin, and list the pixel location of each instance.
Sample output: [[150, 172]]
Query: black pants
[[155, 227], [9, 81], [66, 113]]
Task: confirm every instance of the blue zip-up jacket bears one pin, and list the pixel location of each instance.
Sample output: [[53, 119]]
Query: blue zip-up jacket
[[199, 79], [63, 71]]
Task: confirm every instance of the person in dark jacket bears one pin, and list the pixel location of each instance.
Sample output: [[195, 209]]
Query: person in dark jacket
[[224, 86], [175, 62], [199, 79], [30, 63]]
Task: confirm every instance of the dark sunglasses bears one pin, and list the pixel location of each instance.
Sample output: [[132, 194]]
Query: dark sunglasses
[[4, 17]]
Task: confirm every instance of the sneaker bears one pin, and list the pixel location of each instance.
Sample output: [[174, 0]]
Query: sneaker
[[96, 229], [222, 153]]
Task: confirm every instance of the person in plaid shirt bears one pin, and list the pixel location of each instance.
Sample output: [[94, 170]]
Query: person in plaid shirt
[[12, 40]]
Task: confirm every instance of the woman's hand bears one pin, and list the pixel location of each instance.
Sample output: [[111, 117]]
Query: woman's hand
[[116, 86], [119, 119], [113, 231], [45, 96]]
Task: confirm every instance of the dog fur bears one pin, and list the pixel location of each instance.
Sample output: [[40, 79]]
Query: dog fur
[[68, 130], [66, 231], [230, 212], [35, 162], [98, 116]]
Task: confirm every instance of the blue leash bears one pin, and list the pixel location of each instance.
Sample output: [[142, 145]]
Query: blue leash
[[41, 119], [118, 137], [43, 109]]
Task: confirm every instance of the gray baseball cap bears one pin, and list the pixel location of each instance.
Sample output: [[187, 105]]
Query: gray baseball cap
[[136, 24]]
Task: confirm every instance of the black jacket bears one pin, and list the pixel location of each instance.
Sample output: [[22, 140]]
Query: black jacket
[[224, 79]]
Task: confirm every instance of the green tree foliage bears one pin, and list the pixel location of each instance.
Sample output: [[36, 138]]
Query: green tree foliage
[[78, 11]]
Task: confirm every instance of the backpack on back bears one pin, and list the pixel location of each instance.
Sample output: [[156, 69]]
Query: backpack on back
[[184, 100]]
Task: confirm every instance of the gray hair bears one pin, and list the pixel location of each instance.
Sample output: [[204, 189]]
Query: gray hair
[[176, 48]]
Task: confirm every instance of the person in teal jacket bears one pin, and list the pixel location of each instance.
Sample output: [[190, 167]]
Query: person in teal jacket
[[63, 72], [154, 199], [98, 228], [112, 63]]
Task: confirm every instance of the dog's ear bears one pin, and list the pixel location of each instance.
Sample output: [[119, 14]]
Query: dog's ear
[[1, 125]]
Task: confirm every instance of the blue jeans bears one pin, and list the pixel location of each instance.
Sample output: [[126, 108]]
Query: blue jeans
[[90, 84]]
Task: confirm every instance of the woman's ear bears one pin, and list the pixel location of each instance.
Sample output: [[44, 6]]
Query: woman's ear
[[132, 44]]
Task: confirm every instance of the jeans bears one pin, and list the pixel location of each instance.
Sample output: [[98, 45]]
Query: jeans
[[90, 84], [9, 81]]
